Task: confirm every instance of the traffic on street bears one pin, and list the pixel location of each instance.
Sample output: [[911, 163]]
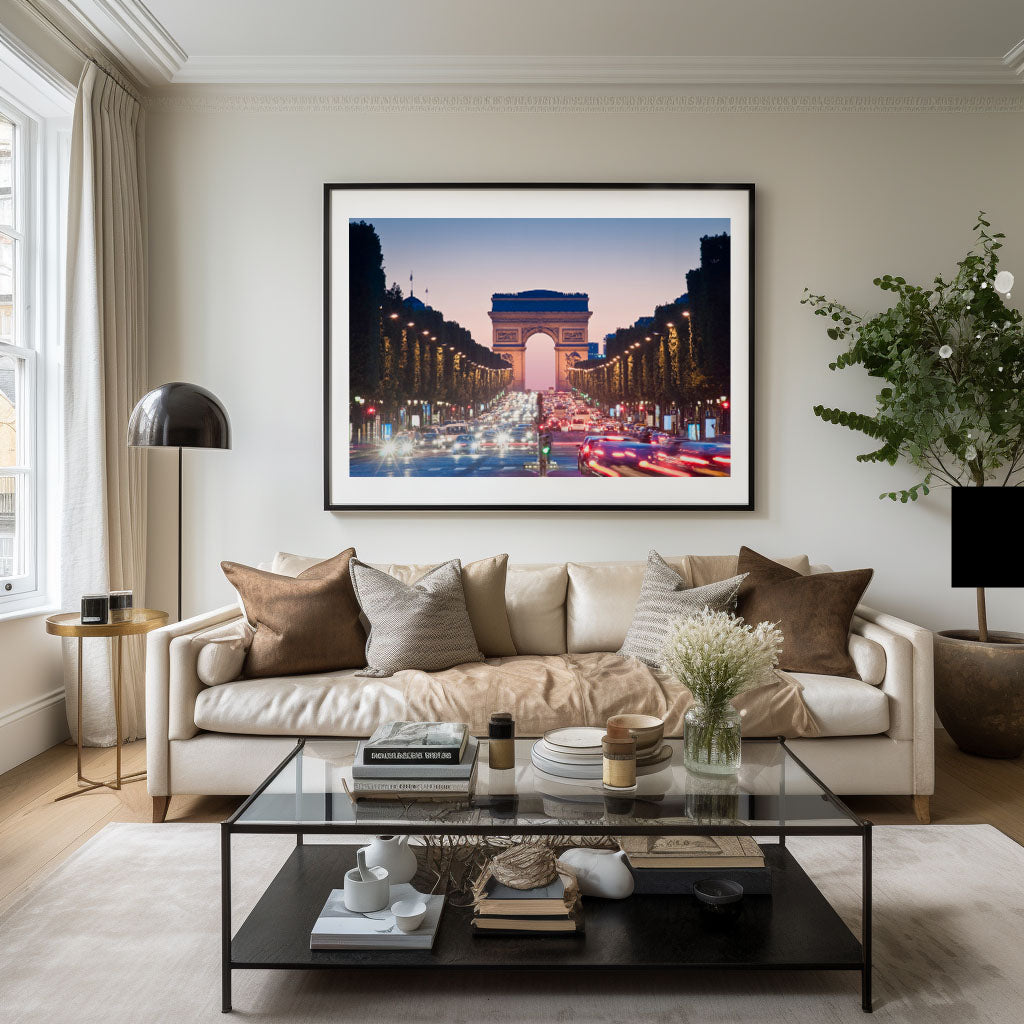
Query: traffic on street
[[570, 438]]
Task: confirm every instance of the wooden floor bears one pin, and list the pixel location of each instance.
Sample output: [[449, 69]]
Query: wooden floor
[[37, 834]]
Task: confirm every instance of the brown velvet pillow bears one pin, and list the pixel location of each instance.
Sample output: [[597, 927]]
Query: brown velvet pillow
[[309, 623], [814, 612]]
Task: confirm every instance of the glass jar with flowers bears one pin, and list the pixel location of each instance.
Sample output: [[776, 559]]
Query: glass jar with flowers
[[717, 656]]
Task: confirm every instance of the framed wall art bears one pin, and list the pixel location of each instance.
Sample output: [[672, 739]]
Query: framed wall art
[[538, 346]]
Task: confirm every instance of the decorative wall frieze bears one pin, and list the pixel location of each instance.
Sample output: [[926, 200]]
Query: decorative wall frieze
[[353, 102]]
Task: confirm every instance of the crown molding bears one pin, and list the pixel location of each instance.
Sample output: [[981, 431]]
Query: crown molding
[[219, 101], [129, 31], [589, 71], [1014, 60]]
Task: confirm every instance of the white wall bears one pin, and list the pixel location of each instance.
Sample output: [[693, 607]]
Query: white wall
[[236, 243]]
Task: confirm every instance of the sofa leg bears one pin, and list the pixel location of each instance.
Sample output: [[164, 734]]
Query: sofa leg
[[922, 809], [160, 805]]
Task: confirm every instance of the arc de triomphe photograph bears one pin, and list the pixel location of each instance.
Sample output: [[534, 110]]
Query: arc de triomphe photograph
[[562, 316]]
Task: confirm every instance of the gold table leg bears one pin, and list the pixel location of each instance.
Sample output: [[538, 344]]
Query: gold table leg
[[119, 780]]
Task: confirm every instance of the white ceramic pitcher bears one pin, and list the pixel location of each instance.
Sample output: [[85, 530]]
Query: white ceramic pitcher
[[394, 855], [600, 872]]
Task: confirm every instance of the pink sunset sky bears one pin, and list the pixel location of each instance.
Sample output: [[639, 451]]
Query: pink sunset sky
[[626, 266]]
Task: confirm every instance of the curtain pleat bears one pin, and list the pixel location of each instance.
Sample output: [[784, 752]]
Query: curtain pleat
[[105, 373]]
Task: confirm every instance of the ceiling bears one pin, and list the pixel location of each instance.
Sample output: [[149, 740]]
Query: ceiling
[[940, 42]]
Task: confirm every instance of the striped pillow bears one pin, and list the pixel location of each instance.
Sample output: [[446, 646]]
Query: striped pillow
[[664, 597], [423, 626]]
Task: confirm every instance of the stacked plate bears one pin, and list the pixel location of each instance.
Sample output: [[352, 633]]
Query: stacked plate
[[575, 753]]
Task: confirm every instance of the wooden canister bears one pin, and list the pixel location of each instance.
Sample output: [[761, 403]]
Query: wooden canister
[[619, 761]]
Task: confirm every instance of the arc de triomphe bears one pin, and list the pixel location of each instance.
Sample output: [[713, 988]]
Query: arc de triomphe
[[562, 316]]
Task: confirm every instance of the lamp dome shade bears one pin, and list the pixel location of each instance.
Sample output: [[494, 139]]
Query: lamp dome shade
[[179, 415]]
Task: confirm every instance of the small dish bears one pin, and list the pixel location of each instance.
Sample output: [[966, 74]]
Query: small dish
[[409, 914], [717, 892]]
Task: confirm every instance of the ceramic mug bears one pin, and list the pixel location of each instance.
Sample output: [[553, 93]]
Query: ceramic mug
[[366, 897]]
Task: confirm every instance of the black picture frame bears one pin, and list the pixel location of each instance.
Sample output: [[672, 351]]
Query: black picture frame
[[747, 504]]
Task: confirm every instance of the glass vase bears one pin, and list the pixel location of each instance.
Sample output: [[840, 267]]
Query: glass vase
[[711, 740]]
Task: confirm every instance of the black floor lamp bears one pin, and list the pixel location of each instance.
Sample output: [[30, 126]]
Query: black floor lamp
[[179, 416]]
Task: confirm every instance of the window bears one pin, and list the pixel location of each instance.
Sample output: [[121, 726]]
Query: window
[[34, 137], [18, 560]]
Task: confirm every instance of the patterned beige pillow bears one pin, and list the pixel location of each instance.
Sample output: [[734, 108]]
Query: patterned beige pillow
[[423, 626], [665, 597]]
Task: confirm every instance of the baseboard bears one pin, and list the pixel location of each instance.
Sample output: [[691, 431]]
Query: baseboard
[[31, 727]]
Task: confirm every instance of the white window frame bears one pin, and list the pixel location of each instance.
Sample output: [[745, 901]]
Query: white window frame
[[39, 104]]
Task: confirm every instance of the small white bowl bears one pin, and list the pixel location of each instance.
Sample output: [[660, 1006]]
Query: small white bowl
[[409, 914]]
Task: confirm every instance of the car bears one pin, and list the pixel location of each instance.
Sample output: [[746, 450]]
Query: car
[[432, 439], [693, 458], [464, 444], [398, 447], [489, 440], [600, 455]]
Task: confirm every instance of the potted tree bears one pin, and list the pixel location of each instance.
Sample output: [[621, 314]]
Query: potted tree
[[952, 360]]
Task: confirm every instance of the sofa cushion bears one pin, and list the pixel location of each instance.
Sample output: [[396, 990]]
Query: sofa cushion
[[844, 707], [535, 599], [306, 624], [541, 692], [814, 612], [483, 583], [601, 600], [220, 655], [602, 595], [664, 598], [868, 658], [421, 625]]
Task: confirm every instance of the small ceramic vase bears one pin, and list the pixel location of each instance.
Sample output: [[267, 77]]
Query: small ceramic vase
[[394, 855], [600, 872]]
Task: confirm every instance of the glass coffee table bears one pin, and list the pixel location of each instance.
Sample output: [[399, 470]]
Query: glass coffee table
[[774, 795]]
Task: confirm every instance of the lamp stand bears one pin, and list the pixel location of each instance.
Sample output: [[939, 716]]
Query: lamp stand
[[179, 534]]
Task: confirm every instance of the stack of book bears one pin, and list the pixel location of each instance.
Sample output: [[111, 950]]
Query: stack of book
[[416, 761], [552, 909], [671, 864]]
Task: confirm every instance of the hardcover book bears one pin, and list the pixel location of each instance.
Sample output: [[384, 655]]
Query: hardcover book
[[692, 851], [417, 743], [340, 928], [403, 770], [413, 787]]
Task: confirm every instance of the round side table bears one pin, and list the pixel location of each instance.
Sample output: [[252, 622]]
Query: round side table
[[69, 624]]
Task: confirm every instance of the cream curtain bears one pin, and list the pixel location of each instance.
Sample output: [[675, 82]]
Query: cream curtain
[[105, 373]]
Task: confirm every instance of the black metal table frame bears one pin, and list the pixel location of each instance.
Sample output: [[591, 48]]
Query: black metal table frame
[[857, 827]]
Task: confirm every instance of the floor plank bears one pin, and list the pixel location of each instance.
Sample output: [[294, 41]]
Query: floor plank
[[38, 834]]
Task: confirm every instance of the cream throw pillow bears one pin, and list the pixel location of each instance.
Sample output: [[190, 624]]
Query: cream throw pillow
[[221, 656], [483, 583]]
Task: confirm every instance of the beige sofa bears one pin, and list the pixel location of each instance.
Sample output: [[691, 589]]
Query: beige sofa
[[875, 733]]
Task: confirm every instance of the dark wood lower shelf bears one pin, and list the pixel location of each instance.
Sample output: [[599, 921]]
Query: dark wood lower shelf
[[794, 928]]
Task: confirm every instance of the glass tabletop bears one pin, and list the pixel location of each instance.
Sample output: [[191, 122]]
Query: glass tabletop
[[772, 794]]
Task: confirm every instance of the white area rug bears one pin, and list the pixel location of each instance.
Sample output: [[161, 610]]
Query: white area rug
[[127, 930]]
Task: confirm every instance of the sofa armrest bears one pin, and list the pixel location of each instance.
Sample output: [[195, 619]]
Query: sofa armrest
[[171, 687], [910, 685]]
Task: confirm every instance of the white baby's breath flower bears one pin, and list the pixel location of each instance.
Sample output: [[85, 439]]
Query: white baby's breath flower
[[945, 352], [718, 656], [1003, 282]]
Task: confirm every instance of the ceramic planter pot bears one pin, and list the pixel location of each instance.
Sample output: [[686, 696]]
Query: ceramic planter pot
[[979, 691]]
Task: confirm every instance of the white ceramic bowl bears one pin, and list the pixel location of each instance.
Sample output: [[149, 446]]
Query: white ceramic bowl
[[409, 914]]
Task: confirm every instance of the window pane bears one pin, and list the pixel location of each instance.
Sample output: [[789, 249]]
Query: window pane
[[8, 254], [13, 522], [6, 172], [9, 387]]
